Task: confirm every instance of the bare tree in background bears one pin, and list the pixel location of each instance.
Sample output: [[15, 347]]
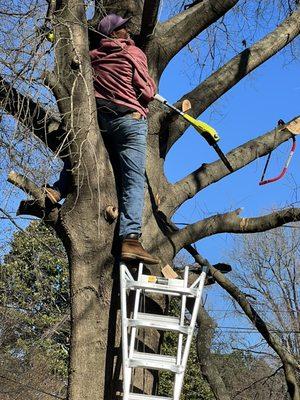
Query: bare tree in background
[[48, 91], [272, 278]]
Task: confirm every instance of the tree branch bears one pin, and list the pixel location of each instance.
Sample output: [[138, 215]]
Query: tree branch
[[27, 186], [288, 361], [31, 114], [149, 20], [242, 300], [236, 69], [239, 157], [264, 378], [181, 29], [37, 207], [232, 223]]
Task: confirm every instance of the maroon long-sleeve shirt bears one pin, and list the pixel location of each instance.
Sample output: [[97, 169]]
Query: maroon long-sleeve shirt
[[121, 74]]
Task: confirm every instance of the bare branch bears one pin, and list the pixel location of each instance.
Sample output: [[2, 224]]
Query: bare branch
[[25, 385], [288, 361], [149, 20], [182, 28], [232, 223], [31, 114], [36, 207], [236, 69], [27, 186], [264, 378], [239, 157]]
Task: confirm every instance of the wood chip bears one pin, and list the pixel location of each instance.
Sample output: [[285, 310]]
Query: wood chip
[[168, 272]]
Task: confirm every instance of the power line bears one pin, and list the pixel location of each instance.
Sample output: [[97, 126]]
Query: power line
[[257, 308], [242, 329]]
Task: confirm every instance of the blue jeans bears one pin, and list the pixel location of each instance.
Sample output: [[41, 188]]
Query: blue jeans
[[125, 139]]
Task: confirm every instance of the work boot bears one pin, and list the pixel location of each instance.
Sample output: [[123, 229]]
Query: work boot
[[132, 250], [52, 195]]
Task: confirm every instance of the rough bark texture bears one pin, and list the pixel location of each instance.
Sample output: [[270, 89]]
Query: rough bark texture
[[90, 241]]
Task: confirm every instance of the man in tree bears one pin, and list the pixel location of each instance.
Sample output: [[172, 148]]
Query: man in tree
[[123, 89]]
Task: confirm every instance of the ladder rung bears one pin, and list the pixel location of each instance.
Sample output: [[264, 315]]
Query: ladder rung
[[156, 321], [135, 396], [154, 361], [165, 289]]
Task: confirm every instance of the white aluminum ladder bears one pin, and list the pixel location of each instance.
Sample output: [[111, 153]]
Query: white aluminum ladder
[[135, 359]]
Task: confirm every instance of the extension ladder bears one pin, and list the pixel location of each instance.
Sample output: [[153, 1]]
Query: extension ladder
[[135, 359]]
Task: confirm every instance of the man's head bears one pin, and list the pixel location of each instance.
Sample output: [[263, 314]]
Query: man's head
[[114, 26]]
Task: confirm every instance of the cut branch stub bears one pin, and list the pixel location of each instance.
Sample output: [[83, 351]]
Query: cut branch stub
[[29, 187]]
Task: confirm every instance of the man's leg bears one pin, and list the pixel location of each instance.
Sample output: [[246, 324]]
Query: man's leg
[[64, 181], [60, 188], [132, 154], [129, 139]]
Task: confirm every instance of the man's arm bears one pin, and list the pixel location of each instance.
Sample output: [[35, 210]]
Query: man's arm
[[142, 81]]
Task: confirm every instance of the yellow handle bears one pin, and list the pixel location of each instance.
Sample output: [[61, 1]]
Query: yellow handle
[[209, 133]]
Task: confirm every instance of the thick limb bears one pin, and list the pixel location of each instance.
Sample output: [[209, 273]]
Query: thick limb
[[32, 115], [232, 223], [182, 28], [149, 20]]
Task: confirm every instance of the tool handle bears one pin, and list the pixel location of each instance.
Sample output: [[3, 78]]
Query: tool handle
[[160, 98], [205, 130]]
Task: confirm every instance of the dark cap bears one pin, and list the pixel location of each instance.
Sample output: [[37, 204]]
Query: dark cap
[[111, 22]]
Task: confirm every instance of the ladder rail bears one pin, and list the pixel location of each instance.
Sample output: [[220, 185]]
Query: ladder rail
[[135, 313], [124, 323], [182, 315], [179, 380]]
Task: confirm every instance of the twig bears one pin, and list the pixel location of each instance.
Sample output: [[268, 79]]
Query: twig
[[266, 378]]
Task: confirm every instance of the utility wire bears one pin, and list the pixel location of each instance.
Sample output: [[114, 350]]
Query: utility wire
[[237, 328]]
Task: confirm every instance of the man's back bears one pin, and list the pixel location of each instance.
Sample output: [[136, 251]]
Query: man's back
[[121, 74]]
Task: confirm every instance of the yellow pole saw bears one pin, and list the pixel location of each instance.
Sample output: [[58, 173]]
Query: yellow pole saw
[[205, 130]]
